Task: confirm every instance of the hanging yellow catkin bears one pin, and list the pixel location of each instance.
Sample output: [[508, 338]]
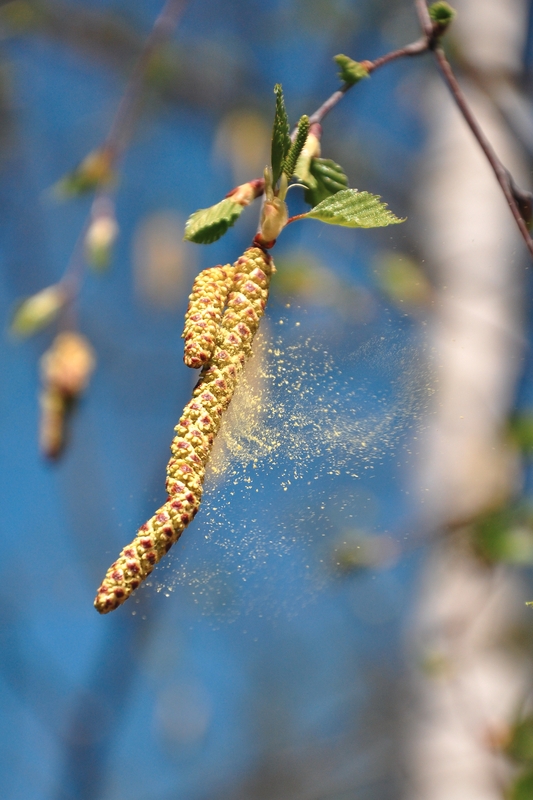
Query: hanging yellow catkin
[[65, 371], [195, 432], [206, 304]]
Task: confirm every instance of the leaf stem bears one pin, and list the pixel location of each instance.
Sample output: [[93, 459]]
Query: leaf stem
[[293, 219]]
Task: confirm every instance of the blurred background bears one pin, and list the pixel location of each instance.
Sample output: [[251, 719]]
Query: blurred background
[[345, 618]]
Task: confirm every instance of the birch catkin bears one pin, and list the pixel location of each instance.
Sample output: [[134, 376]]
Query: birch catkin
[[196, 430], [65, 371], [202, 319]]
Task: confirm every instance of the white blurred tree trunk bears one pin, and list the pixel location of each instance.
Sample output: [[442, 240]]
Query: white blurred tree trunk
[[472, 686]]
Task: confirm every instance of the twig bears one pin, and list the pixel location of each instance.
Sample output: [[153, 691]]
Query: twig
[[413, 49], [502, 174], [516, 198], [119, 136], [330, 103], [122, 125], [425, 20]]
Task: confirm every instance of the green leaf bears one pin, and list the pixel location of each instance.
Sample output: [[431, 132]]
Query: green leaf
[[38, 311], [95, 170], [289, 163], [208, 224], [281, 139], [505, 535], [402, 280], [325, 179], [350, 71], [353, 209]]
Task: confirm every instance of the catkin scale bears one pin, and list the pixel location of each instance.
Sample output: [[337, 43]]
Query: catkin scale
[[202, 318], [198, 425]]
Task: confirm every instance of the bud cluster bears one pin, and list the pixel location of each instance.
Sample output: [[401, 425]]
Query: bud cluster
[[198, 425]]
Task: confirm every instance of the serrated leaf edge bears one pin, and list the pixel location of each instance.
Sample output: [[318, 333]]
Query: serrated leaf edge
[[215, 225], [337, 200]]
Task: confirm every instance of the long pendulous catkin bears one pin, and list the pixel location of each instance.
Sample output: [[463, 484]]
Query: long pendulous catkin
[[202, 319], [195, 432]]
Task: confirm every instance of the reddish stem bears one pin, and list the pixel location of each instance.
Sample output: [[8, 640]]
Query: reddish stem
[[501, 173], [293, 219]]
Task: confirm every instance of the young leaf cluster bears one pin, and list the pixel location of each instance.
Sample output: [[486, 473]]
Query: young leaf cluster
[[441, 12], [326, 183], [350, 71]]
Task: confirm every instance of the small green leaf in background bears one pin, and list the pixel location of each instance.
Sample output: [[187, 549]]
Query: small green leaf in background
[[402, 280], [521, 431], [350, 71], [522, 787], [435, 664], [325, 179], [353, 209], [441, 13], [94, 171], [209, 224], [505, 535], [281, 139], [289, 162], [364, 551], [38, 311], [520, 745]]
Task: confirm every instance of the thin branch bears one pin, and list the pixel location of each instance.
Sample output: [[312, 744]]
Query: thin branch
[[413, 49], [502, 174], [515, 197], [425, 20], [119, 136], [330, 103], [122, 125]]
